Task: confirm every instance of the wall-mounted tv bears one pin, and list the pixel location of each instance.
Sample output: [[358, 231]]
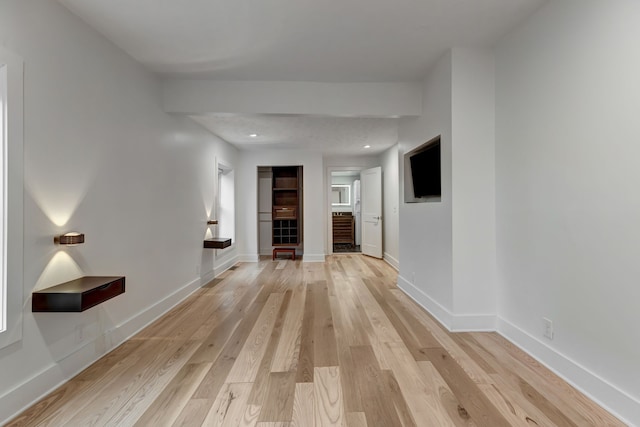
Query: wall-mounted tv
[[424, 164]]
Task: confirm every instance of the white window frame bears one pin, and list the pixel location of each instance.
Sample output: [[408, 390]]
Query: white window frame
[[11, 197], [225, 205], [3, 191]]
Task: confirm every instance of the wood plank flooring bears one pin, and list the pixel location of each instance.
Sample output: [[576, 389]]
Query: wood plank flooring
[[286, 343]]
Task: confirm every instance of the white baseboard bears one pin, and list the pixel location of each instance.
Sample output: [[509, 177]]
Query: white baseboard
[[442, 314], [51, 377], [313, 257], [305, 257], [607, 395], [474, 323], [393, 262], [248, 258], [452, 322], [227, 264]]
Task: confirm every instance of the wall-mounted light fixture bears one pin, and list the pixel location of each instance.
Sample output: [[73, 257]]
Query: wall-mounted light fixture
[[212, 222], [71, 238]]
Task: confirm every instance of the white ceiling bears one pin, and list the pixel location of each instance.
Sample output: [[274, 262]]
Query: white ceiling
[[329, 135], [299, 40]]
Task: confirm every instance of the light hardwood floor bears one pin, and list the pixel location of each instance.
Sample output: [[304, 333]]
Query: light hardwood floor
[[285, 343]]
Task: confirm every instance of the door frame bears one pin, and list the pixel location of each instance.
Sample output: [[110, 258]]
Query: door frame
[[370, 215], [329, 230]]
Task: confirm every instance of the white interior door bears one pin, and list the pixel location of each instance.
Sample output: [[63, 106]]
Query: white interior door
[[371, 200]]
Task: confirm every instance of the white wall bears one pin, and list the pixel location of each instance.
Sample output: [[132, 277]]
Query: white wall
[[313, 201], [391, 200], [100, 157], [447, 245], [473, 187], [425, 228], [568, 204]]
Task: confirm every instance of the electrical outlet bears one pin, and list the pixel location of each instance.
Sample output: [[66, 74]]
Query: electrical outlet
[[548, 328]]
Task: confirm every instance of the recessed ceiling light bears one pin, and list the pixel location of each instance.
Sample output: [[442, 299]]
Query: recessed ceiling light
[[253, 135], [366, 146]]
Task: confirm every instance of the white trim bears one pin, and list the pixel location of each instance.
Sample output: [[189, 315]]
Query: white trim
[[224, 168], [392, 261], [221, 269], [474, 323], [596, 388], [442, 314], [14, 195], [248, 258], [452, 322], [3, 196], [617, 401], [313, 257]]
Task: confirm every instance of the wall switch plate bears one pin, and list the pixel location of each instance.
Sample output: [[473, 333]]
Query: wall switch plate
[[548, 328]]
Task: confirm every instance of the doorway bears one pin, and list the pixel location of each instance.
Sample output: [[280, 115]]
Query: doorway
[[346, 220]]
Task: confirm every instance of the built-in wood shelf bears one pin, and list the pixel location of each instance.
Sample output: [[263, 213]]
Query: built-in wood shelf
[[286, 205], [217, 243], [77, 295]]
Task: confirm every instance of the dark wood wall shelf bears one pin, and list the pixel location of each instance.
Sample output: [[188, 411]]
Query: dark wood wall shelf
[[77, 295], [217, 243]]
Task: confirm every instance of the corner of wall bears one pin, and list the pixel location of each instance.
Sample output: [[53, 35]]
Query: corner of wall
[[248, 258], [313, 258], [589, 383], [393, 262], [442, 314]]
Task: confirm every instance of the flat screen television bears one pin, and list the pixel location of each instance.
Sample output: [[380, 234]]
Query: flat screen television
[[425, 170]]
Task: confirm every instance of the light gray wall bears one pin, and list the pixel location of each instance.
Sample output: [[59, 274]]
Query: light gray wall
[[448, 244], [425, 248], [568, 204], [473, 187], [100, 157]]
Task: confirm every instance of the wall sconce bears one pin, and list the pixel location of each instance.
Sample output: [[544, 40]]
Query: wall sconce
[[70, 239], [212, 222]]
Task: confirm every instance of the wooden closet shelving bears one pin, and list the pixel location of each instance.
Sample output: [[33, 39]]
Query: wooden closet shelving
[[286, 192]]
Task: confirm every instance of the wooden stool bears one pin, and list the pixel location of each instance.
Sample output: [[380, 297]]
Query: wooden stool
[[292, 251]]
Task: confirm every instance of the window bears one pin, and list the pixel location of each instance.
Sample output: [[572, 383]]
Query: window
[[11, 215], [226, 204], [3, 244]]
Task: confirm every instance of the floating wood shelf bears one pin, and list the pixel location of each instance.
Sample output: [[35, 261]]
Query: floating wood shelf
[[77, 295], [217, 243]]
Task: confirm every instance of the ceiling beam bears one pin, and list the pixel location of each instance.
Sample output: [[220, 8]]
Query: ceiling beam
[[195, 97]]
